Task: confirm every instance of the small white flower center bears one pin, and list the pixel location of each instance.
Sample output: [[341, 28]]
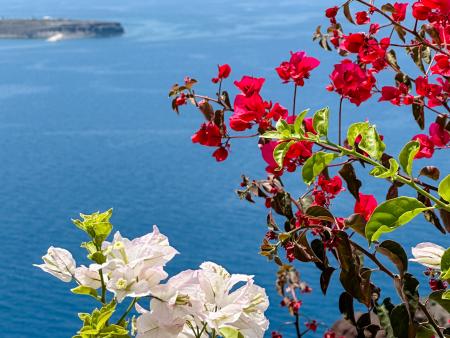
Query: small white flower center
[[121, 284], [118, 245]]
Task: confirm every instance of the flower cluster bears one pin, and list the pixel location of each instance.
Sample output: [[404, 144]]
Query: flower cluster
[[131, 269], [298, 68], [205, 300], [190, 304], [304, 227], [438, 138]]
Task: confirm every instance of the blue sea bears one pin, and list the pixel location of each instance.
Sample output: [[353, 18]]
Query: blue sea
[[86, 125]]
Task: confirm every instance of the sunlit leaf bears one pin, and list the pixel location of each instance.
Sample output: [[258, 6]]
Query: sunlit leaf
[[315, 165], [392, 214], [407, 154]]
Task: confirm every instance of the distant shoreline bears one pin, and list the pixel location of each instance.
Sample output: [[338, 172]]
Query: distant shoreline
[[57, 29]]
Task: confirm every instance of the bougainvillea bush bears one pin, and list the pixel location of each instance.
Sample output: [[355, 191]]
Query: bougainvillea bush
[[396, 53], [208, 302]]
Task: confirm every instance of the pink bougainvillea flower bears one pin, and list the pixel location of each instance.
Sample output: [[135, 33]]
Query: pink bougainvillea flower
[[374, 28], [365, 206], [247, 110], [301, 150], [438, 135], [333, 186], [312, 325], [399, 12], [420, 11], [350, 81], [308, 123], [331, 12], [277, 112], [442, 5], [267, 154], [180, 100], [250, 85], [396, 95], [353, 42], [208, 135], [329, 334], [220, 154], [298, 68], [224, 72], [426, 149], [442, 65], [362, 18], [429, 90], [374, 52]]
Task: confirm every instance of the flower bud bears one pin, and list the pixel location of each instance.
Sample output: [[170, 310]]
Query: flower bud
[[428, 254]]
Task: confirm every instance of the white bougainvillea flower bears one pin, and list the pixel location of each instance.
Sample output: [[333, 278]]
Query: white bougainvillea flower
[[148, 326], [88, 277], [242, 308], [153, 249], [210, 296], [173, 304], [125, 281], [428, 254], [252, 322], [59, 263]]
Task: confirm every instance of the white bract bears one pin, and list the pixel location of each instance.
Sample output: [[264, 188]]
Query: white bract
[[88, 277], [134, 266], [428, 254], [153, 249], [59, 263], [208, 299]]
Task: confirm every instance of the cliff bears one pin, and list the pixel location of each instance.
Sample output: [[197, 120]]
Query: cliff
[[57, 29]]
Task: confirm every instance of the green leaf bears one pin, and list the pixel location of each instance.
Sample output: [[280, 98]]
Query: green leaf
[[438, 297], [418, 111], [410, 287], [230, 332], [348, 173], [283, 129], [85, 290], [425, 331], [298, 124], [318, 212], [355, 130], [391, 214], [280, 152], [371, 143], [356, 222], [96, 225], [400, 321], [395, 253], [346, 307], [445, 263], [446, 295], [430, 172], [271, 134], [444, 188], [320, 121], [315, 164], [383, 172], [347, 12], [383, 312], [407, 155]]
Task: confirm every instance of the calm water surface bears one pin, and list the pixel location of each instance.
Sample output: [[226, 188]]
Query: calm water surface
[[86, 125]]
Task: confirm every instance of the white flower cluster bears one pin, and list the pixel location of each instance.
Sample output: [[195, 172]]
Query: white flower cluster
[[131, 269], [205, 300], [194, 303]]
